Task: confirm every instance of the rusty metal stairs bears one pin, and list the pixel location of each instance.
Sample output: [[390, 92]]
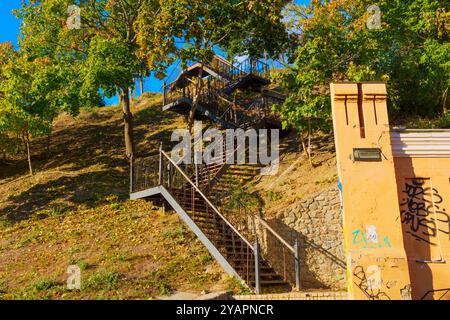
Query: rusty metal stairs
[[221, 79], [232, 241], [232, 237]]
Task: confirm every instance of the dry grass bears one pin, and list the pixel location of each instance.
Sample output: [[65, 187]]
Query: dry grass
[[126, 250], [75, 211], [296, 178]]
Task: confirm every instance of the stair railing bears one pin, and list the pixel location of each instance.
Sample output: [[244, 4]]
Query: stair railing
[[143, 173], [283, 257], [255, 66], [166, 157], [293, 250], [174, 179], [225, 69], [149, 172]]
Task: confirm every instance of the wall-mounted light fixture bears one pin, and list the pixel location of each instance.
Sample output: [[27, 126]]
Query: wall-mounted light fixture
[[367, 154]]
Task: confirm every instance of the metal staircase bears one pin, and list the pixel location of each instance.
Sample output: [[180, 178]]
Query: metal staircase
[[221, 79], [233, 235]]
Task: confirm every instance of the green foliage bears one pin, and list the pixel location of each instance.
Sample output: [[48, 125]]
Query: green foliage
[[191, 30], [164, 290], [25, 106], [3, 287], [110, 64], [178, 235], [442, 122], [239, 197], [410, 52], [104, 279], [82, 264], [44, 284], [60, 69], [274, 196], [99, 55], [239, 287]]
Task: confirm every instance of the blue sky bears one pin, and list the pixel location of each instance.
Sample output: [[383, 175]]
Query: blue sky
[[9, 29]]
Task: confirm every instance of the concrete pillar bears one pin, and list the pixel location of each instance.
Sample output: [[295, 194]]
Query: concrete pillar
[[377, 267]]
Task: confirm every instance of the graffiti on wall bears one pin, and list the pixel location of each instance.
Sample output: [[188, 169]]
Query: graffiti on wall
[[369, 281], [369, 239], [440, 294], [422, 211]]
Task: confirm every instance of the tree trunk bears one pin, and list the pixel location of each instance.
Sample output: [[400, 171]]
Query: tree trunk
[[302, 140], [131, 94], [444, 101], [141, 85], [120, 100], [27, 144], [47, 145], [309, 143], [306, 146], [120, 96], [128, 123]]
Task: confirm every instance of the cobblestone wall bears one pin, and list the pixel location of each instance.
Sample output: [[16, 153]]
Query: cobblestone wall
[[317, 223], [296, 296]]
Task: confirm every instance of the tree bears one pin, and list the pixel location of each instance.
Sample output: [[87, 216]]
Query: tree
[[333, 43], [25, 107], [103, 52], [191, 30]]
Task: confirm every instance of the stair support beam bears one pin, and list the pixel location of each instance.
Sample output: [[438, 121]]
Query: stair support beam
[[131, 173], [297, 265], [257, 271], [201, 236], [161, 166]]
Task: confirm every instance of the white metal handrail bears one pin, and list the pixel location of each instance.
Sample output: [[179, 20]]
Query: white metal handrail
[[207, 201]]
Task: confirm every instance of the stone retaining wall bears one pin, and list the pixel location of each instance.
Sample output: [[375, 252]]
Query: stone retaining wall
[[317, 223], [296, 296]]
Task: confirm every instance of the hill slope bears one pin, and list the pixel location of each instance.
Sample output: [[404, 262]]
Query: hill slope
[[75, 211]]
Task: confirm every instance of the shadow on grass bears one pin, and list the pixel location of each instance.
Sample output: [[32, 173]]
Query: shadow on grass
[[90, 164], [66, 193]]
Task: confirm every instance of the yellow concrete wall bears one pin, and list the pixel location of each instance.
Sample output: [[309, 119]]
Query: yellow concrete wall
[[396, 211], [424, 197], [377, 267]]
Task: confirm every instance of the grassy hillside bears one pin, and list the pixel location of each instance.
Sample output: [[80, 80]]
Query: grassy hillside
[[296, 179], [75, 211]]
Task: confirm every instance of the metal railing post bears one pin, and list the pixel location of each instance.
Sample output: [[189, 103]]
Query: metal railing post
[[170, 173], [210, 98], [196, 174], [297, 265], [164, 95], [184, 85], [161, 165], [257, 274], [132, 173]]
